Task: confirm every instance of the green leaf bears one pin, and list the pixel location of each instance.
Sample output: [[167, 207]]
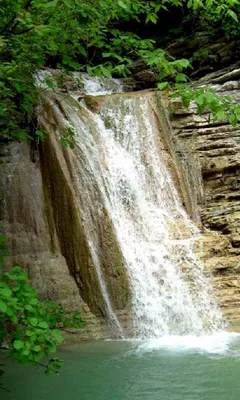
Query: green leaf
[[21, 134], [33, 321], [232, 119], [183, 63], [34, 301], [49, 372], [51, 346], [106, 55], [57, 335], [122, 5], [29, 332], [162, 74], [233, 15], [220, 115], [6, 292], [18, 344], [163, 85], [60, 362], [16, 270], [41, 134], [77, 315], [105, 71], [181, 78], [80, 324], [3, 307], [199, 100], [152, 18], [186, 100], [14, 319], [29, 308], [37, 348], [43, 325]]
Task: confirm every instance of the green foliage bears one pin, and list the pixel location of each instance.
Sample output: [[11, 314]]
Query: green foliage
[[221, 7], [215, 19], [207, 101], [29, 326], [78, 35], [219, 107], [68, 138], [165, 64]]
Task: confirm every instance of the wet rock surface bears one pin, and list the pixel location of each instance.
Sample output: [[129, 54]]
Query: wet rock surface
[[33, 239]]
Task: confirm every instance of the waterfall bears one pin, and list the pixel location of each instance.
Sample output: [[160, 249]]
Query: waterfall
[[123, 169]]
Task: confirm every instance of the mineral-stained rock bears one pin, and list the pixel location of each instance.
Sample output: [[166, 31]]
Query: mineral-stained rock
[[207, 155], [41, 218], [94, 103]]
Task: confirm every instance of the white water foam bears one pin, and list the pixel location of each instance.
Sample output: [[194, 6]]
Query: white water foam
[[96, 86], [218, 343], [89, 85]]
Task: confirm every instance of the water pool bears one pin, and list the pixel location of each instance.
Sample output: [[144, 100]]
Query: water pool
[[171, 368]]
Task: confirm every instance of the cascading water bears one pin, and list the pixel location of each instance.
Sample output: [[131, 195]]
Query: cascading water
[[94, 85], [120, 157]]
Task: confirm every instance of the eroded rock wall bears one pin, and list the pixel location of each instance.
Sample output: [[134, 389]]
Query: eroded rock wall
[[42, 219], [208, 162], [33, 240]]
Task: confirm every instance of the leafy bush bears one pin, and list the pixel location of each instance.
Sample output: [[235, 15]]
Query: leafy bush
[[28, 326], [215, 22], [74, 35]]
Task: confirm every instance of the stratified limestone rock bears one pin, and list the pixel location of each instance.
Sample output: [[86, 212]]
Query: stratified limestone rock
[[205, 52], [208, 162]]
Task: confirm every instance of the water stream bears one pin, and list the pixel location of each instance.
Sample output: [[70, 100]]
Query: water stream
[[123, 168]]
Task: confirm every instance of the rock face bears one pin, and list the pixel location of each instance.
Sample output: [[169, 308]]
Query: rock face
[[208, 161], [34, 240], [42, 218], [205, 52]]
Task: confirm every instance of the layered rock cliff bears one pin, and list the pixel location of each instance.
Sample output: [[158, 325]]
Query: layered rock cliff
[[208, 159]]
